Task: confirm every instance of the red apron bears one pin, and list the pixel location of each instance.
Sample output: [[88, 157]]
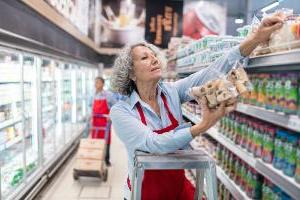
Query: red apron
[[164, 184], [100, 107]]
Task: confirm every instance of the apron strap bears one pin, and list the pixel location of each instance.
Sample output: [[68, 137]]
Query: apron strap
[[174, 122]]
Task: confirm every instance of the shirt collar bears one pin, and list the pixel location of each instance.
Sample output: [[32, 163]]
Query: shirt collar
[[134, 97]]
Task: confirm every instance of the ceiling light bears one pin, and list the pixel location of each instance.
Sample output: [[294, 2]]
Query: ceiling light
[[239, 21]]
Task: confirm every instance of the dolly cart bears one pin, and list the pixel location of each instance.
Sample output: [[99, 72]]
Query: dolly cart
[[91, 153]]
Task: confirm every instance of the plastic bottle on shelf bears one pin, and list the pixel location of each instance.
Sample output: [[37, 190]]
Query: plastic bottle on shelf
[[261, 95], [254, 92], [291, 93], [244, 170], [250, 135], [268, 145], [237, 170], [259, 140], [290, 150], [281, 92], [297, 171], [243, 131], [278, 161], [270, 92]]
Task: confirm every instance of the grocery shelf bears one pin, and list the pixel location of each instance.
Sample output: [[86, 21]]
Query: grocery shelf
[[288, 184], [13, 141], [285, 121], [289, 60], [234, 148], [48, 108], [10, 122], [191, 69], [236, 192], [223, 177]]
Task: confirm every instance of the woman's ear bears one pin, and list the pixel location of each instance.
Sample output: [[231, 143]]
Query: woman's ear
[[132, 77]]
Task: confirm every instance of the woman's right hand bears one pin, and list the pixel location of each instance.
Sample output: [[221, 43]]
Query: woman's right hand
[[209, 116]]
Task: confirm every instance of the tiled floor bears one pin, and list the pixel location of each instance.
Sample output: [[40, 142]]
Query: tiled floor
[[63, 187]]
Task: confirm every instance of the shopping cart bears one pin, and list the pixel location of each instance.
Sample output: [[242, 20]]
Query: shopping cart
[[91, 153], [182, 159]]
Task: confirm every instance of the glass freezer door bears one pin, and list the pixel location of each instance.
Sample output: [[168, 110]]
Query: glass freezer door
[[49, 107], [30, 114], [11, 134], [66, 96]]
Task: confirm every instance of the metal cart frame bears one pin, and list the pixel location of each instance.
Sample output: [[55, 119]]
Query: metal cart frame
[[181, 159]]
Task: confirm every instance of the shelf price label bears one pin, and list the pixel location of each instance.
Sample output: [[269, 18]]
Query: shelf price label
[[294, 123]]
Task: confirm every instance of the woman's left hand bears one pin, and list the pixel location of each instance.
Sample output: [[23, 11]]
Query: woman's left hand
[[267, 27], [262, 34]]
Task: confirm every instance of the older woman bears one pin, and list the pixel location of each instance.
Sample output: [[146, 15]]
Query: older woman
[[151, 119]]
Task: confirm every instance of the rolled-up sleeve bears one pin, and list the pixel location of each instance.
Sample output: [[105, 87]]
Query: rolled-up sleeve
[[219, 67], [136, 136]]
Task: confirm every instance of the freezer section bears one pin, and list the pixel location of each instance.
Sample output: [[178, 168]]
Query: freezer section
[[11, 146]]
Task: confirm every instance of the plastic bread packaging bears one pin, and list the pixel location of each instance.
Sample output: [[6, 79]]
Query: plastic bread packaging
[[215, 91], [238, 76], [226, 88]]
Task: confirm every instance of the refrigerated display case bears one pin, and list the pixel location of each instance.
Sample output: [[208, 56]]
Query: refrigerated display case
[[40, 99]]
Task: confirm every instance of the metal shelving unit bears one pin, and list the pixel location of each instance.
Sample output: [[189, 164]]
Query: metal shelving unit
[[288, 184], [230, 185], [224, 178], [191, 69], [277, 61], [10, 122], [285, 121]]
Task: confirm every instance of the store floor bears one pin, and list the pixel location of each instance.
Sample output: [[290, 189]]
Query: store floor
[[63, 187]]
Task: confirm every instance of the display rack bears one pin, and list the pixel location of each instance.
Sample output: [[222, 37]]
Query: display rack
[[222, 176], [288, 184], [10, 122], [282, 61], [191, 69], [280, 119], [40, 102]]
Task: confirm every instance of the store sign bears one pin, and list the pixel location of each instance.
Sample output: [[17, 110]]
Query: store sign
[[163, 21]]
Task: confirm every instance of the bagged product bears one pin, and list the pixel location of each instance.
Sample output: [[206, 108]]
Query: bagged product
[[215, 91], [225, 88], [240, 79]]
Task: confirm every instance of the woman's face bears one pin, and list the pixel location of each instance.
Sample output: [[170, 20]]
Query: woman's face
[[146, 66]]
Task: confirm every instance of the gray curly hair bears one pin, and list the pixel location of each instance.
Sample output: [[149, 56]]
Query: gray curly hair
[[121, 81]]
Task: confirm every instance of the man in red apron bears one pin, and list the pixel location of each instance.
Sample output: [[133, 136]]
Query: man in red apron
[[103, 101]]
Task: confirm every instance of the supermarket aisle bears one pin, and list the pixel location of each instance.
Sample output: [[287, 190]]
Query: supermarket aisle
[[63, 187]]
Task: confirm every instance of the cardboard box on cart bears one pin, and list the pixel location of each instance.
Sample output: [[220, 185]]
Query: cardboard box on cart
[[90, 158]]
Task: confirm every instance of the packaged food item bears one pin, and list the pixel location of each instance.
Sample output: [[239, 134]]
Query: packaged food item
[[215, 91], [240, 79], [278, 161], [259, 140], [290, 150], [267, 191], [237, 170], [279, 92], [270, 92], [250, 135], [243, 181], [297, 172], [254, 92], [268, 144], [291, 93], [261, 97]]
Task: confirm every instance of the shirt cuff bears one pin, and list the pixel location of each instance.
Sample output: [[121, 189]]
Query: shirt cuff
[[235, 55], [183, 136]]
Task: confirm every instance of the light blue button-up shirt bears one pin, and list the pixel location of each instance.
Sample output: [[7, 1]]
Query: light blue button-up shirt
[[137, 136]]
